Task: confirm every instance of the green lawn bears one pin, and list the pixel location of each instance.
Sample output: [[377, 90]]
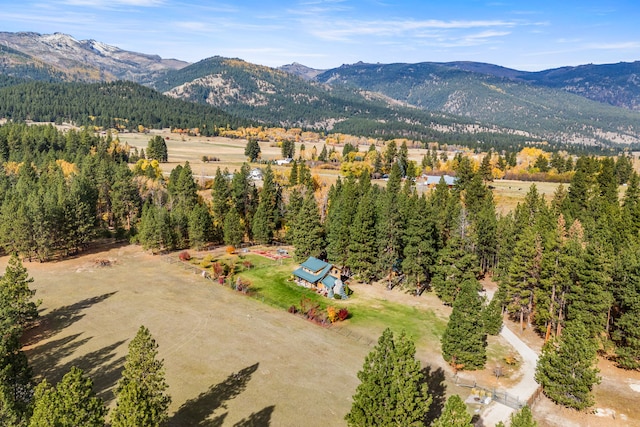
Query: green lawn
[[271, 280], [422, 325]]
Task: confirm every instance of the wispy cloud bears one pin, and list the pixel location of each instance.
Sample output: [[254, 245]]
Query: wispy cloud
[[111, 3], [226, 25], [408, 28]]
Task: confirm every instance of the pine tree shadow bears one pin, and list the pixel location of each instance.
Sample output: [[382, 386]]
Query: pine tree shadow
[[257, 419], [437, 389], [45, 357], [102, 365], [196, 412], [59, 319]]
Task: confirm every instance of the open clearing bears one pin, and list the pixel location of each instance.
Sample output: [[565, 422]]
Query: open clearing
[[227, 357]]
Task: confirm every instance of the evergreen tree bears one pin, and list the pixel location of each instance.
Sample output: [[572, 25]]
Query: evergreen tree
[[341, 214], [72, 402], [456, 263], [608, 182], [233, 229], [16, 296], [626, 334], [390, 226], [420, 241], [293, 207], [566, 369], [590, 299], [631, 204], [523, 276], [464, 174], [266, 217], [492, 316], [200, 226], [623, 169], [126, 201], [141, 399], [464, 341], [485, 171], [454, 414], [17, 310], [309, 235], [288, 149], [184, 191], [252, 150], [542, 163], [157, 149], [392, 390], [403, 159], [220, 198], [324, 156], [485, 236], [293, 175], [156, 232], [523, 418], [389, 155], [363, 254]]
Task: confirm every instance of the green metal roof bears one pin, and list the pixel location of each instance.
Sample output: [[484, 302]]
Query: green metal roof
[[320, 271], [314, 264]]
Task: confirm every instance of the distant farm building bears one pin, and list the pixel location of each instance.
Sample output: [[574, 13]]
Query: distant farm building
[[282, 162], [433, 180], [320, 276]]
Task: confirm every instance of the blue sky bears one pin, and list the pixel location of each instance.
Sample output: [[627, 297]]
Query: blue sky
[[532, 35]]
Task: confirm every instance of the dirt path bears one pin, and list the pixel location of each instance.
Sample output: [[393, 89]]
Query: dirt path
[[524, 389]]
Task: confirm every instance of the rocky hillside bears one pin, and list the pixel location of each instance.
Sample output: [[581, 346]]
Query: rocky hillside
[[492, 94], [61, 57]]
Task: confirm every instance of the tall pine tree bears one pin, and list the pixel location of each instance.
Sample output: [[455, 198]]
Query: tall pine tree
[[464, 340], [392, 389], [141, 398], [566, 369]]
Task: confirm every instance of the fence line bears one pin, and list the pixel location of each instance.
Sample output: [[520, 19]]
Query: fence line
[[499, 396]]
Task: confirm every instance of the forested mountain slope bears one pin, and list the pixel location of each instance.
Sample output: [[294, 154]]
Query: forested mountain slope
[[116, 105], [548, 113], [273, 96]]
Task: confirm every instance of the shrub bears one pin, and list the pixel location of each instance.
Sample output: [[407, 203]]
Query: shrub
[[343, 314], [184, 256], [293, 309], [230, 250], [332, 314], [217, 269], [206, 261]]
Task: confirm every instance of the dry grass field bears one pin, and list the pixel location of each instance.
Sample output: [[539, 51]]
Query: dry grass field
[[229, 359], [507, 193]]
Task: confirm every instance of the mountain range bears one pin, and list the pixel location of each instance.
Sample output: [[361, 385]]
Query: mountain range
[[466, 101]]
